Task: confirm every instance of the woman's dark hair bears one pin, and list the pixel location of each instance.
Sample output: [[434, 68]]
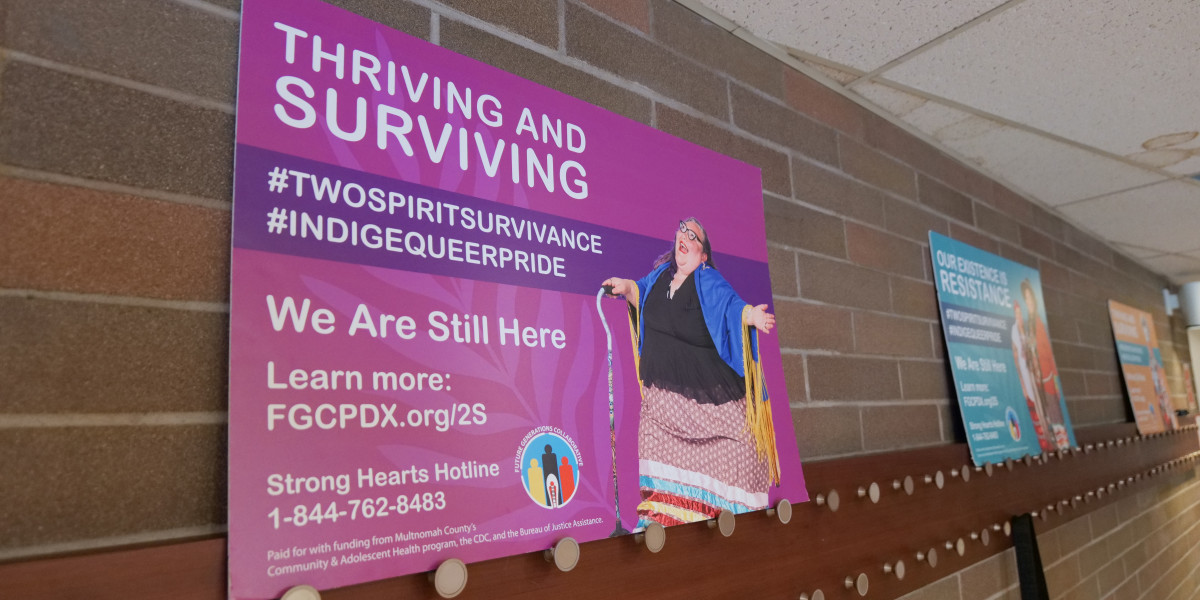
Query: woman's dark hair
[[1026, 287], [668, 257]]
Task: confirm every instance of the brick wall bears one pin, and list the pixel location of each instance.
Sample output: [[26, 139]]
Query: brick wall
[[1144, 546], [116, 138]]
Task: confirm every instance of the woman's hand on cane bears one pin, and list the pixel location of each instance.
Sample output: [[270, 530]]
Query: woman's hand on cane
[[620, 287]]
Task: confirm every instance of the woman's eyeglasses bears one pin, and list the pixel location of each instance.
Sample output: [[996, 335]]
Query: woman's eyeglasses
[[691, 235]]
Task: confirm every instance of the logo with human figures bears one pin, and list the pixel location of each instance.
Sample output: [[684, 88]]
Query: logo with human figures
[[1014, 424], [548, 462]]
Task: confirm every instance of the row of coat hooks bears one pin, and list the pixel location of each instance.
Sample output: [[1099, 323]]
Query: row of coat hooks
[[871, 492], [450, 578]]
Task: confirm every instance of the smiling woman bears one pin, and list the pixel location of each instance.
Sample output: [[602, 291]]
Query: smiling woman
[[706, 442]]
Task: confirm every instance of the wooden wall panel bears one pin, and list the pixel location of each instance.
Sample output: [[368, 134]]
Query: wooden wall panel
[[763, 558]]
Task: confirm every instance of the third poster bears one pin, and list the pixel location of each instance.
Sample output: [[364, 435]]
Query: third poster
[[1142, 368]]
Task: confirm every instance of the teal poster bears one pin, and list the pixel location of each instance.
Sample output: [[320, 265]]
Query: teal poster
[[998, 344]]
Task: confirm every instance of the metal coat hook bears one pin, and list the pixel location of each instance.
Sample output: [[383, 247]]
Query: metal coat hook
[[871, 492], [983, 536], [897, 569], [564, 554], [859, 584], [654, 536], [301, 592], [964, 472], [937, 478], [450, 578], [724, 522], [782, 510], [832, 500]]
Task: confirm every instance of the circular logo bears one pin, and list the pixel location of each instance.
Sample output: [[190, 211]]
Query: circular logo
[[1014, 423], [548, 462]]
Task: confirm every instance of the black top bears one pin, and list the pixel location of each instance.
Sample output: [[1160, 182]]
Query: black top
[[678, 353]]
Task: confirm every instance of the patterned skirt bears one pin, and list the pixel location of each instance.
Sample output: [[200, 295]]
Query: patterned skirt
[[695, 460]]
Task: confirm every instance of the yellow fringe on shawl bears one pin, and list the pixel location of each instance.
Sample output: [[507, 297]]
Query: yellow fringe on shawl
[[632, 298], [758, 407]]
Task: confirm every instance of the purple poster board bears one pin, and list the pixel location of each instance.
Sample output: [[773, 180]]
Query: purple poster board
[[418, 367]]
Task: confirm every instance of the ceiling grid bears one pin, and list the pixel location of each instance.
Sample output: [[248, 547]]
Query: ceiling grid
[[1087, 107]]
